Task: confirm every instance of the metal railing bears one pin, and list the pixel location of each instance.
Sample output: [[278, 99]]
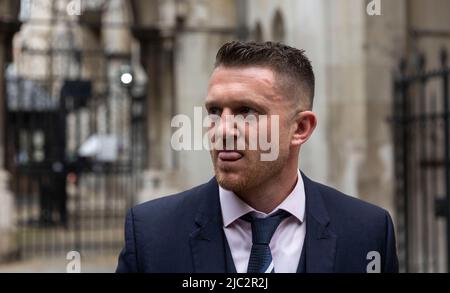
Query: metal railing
[[421, 132]]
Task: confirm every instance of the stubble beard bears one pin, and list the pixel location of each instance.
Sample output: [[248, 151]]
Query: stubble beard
[[256, 173]]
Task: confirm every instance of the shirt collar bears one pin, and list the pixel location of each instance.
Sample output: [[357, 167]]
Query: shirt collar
[[233, 207]]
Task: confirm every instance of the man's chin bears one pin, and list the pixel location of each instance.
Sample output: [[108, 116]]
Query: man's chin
[[231, 181]]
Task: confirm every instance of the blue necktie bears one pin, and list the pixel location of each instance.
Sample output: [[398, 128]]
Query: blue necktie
[[262, 231]]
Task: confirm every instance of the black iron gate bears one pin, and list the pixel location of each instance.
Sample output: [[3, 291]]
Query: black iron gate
[[74, 149], [66, 199], [421, 128]]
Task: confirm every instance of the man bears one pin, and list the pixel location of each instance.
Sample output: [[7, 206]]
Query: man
[[259, 215]]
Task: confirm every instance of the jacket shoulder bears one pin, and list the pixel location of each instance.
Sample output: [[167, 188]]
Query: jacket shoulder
[[360, 228], [170, 205], [348, 207]]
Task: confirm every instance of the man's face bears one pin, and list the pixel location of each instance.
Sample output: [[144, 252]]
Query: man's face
[[248, 91]]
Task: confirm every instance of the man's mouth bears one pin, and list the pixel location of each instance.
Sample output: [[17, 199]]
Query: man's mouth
[[229, 156]]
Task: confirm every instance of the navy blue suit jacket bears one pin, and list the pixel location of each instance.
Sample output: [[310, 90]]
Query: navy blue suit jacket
[[183, 233]]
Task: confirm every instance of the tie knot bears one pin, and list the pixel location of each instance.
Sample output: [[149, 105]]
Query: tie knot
[[264, 228]]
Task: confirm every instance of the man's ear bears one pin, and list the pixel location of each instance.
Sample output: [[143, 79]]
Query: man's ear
[[305, 123]]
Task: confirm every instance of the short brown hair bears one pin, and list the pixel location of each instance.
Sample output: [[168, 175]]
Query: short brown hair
[[284, 60]]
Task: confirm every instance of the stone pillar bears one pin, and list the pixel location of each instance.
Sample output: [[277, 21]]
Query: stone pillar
[[160, 176], [385, 44]]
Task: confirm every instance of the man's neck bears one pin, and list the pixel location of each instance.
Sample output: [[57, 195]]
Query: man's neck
[[266, 197]]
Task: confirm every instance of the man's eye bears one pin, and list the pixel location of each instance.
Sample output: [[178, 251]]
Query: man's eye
[[247, 111], [214, 111]]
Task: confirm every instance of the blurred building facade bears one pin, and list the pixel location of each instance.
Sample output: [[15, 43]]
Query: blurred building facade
[[170, 46]]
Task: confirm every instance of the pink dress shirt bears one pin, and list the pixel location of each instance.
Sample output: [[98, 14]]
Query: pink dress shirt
[[287, 242]]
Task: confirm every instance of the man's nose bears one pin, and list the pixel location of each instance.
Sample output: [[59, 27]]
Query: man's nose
[[228, 127]]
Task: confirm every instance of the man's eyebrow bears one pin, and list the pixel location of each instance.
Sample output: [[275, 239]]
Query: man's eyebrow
[[210, 103], [244, 100]]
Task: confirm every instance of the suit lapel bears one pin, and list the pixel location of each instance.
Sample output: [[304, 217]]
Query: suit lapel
[[207, 240], [320, 240]]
